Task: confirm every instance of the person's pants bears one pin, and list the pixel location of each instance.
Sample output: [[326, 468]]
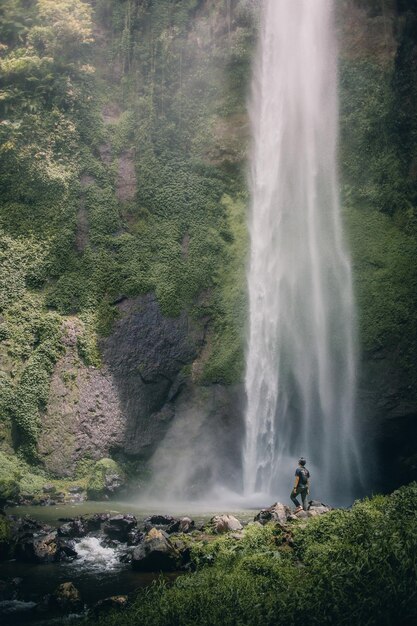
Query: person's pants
[[303, 494]]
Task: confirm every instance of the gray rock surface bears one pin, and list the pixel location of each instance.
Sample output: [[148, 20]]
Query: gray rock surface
[[145, 355], [142, 403], [276, 513], [83, 416], [225, 523]]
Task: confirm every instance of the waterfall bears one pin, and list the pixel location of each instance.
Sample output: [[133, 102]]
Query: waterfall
[[301, 362]]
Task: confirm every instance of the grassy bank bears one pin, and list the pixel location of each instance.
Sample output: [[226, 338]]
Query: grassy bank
[[352, 567]]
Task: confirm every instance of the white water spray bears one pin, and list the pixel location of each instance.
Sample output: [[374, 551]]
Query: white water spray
[[300, 377]]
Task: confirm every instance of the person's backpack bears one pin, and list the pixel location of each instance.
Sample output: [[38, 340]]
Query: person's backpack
[[304, 475]]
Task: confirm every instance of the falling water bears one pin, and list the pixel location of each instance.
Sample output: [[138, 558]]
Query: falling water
[[300, 377]]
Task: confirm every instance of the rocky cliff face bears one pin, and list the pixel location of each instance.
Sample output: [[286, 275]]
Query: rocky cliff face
[[143, 192], [148, 356], [83, 419], [144, 400]]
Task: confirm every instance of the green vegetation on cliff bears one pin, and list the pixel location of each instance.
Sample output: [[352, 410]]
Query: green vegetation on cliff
[[378, 155], [121, 154], [123, 140], [351, 567]]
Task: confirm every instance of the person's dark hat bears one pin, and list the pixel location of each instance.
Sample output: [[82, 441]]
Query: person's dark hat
[[302, 461]]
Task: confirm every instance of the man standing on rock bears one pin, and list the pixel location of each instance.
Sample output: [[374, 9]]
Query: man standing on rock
[[301, 485]]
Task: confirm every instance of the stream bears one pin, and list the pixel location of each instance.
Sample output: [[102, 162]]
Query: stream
[[97, 573]]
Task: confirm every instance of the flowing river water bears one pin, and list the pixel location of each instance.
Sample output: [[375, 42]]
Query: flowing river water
[[301, 356], [98, 571]]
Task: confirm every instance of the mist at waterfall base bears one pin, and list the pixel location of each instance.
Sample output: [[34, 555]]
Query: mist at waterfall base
[[301, 357]]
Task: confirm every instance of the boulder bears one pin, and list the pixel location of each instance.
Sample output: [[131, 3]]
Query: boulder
[[25, 527], [276, 513], [183, 525], [318, 508], [94, 522], [183, 550], [46, 501], [37, 549], [156, 553], [66, 596], [119, 526], [75, 528], [126, 557], [134, 537], [159, 521], [66, 550], [106, 480], [225, 523], [110, 604]]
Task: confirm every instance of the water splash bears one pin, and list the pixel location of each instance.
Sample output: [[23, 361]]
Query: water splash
[[93, 555], [301, 361]]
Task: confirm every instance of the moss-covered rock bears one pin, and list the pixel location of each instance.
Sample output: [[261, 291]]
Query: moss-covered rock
[[18, 478], [9, 488], [106, 480]]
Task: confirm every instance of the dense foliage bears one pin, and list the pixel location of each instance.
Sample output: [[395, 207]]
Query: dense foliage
[[378, 154], [69, 244], [350, 567]]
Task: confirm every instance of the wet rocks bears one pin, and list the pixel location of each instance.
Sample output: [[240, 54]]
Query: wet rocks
[[66, 550], [32, 542], [67, 597], [317, 508], [281, 514], [169, 524], [158, 521], [225, 523], [37, 549], [119, 526], [75, 528], [94, 522], [276, 513], [183, 525], [134, 536], [110, 604], [156, 553]]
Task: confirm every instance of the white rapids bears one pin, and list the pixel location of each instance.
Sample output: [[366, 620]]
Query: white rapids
[[301, 356], [93, 555]]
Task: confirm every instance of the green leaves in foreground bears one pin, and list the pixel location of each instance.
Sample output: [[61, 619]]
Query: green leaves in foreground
[[354, 567]]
